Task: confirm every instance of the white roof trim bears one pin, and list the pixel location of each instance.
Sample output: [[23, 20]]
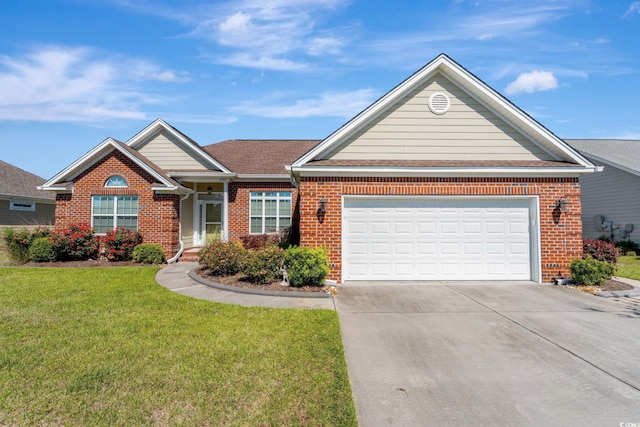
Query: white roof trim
[[160, 124], [520, 120], [442, 171], [90, 158], [613, 164]]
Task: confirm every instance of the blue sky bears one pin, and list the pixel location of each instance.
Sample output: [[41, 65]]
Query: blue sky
[[74, 72]]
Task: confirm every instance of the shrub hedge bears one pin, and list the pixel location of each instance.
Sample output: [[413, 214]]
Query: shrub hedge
[[118, 244], [590, 271], [262, 266], [41, 250], [306, 266], [222, 258], [148, 253], [601, 250]]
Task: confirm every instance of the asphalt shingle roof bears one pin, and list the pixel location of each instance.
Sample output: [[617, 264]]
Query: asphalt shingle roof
[[251, 156], [20, 183], [623, 152]]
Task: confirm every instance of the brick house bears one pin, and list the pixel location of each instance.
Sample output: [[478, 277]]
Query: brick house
[[440, 179]]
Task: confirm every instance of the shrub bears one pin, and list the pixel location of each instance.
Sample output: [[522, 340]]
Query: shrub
[[41, 250], [148, 253], [306, 266], [590, 272], [628, 247], [222, 258], [76, 243], [258, 241], [18, 242], [601, 250], [262, 266], [118, 244]]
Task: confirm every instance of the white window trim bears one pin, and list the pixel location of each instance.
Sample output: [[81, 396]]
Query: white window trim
[[263, 217], [115, 211], [22, 205]]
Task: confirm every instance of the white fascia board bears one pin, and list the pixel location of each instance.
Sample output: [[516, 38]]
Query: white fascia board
[[221, 176], [372, 111], [71, 170], [442, 172], [161, 124], [172, 190], [613, 165], [263, 177], [507, 109]]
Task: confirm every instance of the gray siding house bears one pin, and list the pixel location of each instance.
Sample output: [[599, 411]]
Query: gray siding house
[[611, 199], [21, 202]]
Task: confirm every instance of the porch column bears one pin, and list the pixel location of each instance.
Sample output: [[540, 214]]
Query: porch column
[[225, 211]]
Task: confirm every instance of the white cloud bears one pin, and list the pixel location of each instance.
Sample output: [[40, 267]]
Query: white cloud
[[533, 81], [56, 83], [328, 104], [269, 34], [633, 8]]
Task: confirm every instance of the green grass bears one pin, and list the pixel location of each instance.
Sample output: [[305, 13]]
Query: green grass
[[111, 347], [629, 267]]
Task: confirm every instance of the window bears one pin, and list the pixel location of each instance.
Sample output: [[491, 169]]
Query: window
[[116, 181], [269, 212], [22, 205], [109, 212]]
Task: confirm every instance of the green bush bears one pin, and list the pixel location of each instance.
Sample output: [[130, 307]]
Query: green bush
[[262, 266], [17, 242], [76, 243], [118, 244], [148, 253], [41, 250], [591, 272], [628, 247], [306, 266], [222, 258]]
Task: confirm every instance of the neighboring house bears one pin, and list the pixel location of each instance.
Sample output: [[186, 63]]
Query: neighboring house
[[21, 203], [611, 199], [440, 179]]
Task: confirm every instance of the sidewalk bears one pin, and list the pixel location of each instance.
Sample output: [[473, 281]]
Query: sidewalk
[[175, 277]]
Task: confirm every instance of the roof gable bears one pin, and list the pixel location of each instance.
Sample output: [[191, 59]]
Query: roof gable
[[99, 152], [20, 183], [172, 150], [471, 97], [407, 130]]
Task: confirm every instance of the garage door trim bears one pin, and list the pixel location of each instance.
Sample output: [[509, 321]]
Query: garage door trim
[[531, 201]]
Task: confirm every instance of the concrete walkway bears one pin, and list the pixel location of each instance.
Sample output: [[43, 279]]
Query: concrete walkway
[[176, 278]]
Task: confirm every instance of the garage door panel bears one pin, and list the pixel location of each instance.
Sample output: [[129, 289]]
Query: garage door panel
[[386, 238]]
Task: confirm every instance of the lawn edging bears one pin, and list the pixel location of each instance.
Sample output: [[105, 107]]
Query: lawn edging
[[630, 293], [193, 275]]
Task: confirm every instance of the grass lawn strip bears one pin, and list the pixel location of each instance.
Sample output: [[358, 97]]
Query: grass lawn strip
[[629, 267], [111, 347]]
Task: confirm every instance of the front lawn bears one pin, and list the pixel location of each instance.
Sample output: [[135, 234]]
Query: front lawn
[[108, 346], [629, 267]]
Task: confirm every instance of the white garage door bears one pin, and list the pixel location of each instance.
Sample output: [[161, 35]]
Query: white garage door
[[426, 238]]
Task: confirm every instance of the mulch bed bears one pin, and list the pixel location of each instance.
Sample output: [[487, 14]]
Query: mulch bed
[[614, 285], [240, 281]]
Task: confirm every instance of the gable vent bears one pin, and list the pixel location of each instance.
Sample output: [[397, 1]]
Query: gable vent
[[439, 103]]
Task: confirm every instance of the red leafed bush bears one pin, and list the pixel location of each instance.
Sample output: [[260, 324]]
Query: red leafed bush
[[601, 250], [258, 241], [118, 244], [76, 243]]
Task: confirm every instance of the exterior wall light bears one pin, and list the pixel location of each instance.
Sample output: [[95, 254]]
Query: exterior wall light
[[322, 205], [562, 204], [209, 190]]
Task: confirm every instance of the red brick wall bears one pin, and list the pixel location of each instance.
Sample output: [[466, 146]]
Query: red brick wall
[[158, 214], [239, 204], [560, 233]]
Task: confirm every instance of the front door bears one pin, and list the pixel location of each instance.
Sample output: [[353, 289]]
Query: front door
[[209, 221]]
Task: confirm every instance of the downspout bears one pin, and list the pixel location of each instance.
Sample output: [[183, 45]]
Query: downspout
[[177, 256]]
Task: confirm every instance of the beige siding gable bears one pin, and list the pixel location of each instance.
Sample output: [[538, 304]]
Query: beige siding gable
[[408, 130], [170, 154]]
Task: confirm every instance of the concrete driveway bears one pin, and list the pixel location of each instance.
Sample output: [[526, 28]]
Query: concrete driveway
[[489, 354]]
